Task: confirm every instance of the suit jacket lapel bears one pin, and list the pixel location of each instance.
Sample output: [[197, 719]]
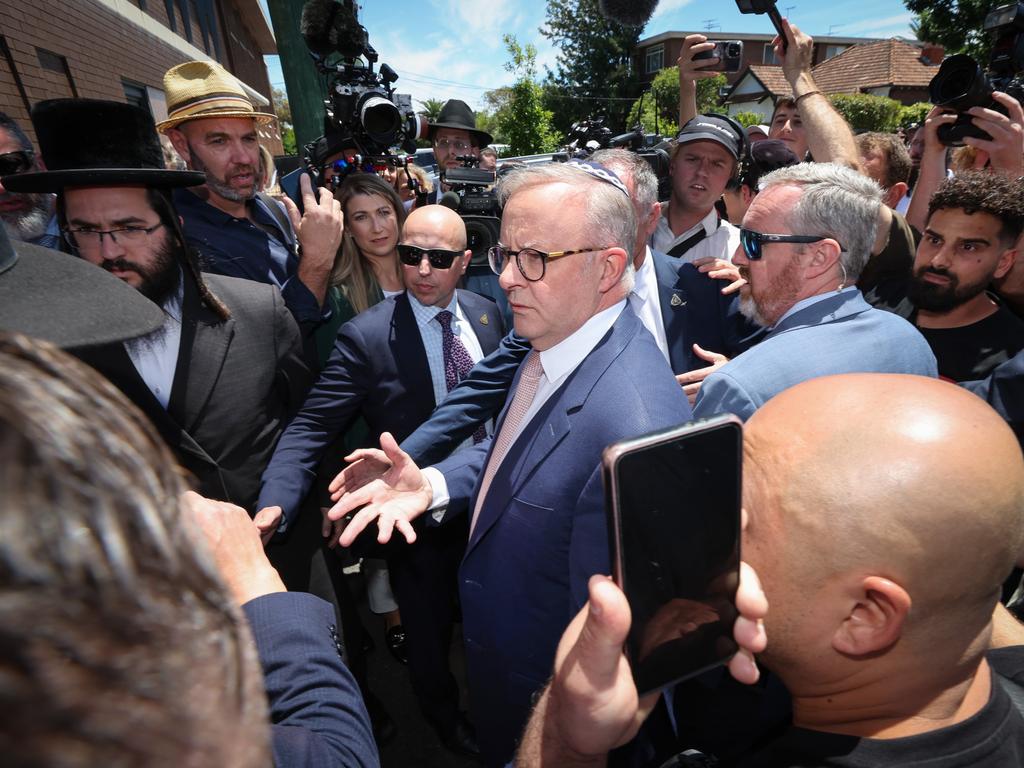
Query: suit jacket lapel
[[484, 322], [549, 426], [409, 355], [205, 339], [673, 300]]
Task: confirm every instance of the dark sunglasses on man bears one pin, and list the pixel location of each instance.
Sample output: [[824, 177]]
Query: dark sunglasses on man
[[412, 255], [753, 242], [21, 161]]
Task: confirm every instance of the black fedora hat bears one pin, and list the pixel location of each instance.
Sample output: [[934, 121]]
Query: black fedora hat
[[457, 114], [87, 142], [66, 301]]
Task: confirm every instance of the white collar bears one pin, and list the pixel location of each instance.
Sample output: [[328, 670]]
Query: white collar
[[710, 223], [567, 354], [644, 276]]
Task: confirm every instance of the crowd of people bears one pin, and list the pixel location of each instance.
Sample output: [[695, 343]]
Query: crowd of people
[[218, 398]]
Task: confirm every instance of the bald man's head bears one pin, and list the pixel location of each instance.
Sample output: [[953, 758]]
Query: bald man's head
[[870, 493], [437, 223]]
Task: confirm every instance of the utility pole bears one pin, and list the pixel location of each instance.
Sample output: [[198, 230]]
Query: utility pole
[[302, 83]]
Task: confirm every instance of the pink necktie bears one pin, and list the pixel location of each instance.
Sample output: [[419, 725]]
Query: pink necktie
[[521, 402]]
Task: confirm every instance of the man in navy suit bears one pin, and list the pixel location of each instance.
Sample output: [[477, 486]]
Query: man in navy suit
[[534, 493], [694, 324], [392, 364], [804, 241]]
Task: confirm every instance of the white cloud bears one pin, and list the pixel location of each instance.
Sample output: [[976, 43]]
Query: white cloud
[[899, 22], [669, 6]]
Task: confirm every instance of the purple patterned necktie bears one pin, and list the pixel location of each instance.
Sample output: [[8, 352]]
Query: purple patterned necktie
[[457, 362]]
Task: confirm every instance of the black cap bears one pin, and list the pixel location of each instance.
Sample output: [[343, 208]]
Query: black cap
[[766, 156], [457, 114], [713, 128]]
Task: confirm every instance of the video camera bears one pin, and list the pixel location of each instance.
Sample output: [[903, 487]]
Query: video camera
[[472, 197], [363, 114], [961, 83], [588, 136]]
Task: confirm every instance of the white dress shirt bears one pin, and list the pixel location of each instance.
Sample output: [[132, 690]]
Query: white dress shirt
[[721, 239], [155, 355], [558, 363], [646, 302]]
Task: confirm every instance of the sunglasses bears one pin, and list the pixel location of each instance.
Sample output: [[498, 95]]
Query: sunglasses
[[753, 242], [412, 255], [16, 162]]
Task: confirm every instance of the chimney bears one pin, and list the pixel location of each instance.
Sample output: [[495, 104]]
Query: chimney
[[932, 54]]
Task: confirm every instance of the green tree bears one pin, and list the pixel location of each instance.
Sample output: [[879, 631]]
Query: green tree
[[914, 113], [431, 109], [954, 24], [867, 113], [747, 119], [284, 120], [526, 124], [663, 98], [593, 70]]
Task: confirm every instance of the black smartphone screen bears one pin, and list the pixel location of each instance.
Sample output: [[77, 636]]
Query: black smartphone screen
[[677, 502]]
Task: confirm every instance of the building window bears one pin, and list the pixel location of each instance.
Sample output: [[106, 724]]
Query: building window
[[655, 58], [833, 50], [57, 74], [769, 55], [134, 93]]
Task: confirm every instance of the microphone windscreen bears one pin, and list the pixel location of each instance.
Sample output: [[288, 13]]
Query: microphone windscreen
[[315, 24], [634, 13], [450, 200]]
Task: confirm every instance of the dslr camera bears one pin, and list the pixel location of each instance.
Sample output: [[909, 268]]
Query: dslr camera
[[729, 54], [961, 83], [362, 111]]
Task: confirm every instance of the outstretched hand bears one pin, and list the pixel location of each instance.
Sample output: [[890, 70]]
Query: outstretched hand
[[364, 465], [393, 500]]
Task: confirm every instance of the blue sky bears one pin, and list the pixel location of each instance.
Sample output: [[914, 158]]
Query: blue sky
[[452, 48]]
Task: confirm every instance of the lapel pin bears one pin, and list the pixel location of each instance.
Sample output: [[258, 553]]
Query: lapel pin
[[483, 319], [675, 301]]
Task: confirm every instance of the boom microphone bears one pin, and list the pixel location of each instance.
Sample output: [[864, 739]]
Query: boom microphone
[[450, 200], [633, 13], [328, 26]]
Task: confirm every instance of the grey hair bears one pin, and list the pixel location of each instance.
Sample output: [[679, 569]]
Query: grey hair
[[837, 202], [8, 124], [624, 163], [609, 214]]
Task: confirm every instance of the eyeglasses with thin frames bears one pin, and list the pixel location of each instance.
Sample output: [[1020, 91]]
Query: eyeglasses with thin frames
[[532, 263], [92, 239], [459, 145]]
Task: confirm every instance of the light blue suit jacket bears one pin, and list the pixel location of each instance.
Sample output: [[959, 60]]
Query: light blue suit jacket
[[839, 334]]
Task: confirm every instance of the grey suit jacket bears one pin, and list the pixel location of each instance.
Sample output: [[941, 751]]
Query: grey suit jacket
[[236, 384], [839, 334]]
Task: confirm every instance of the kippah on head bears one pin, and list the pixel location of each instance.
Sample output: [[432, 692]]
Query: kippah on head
[[600, 173]]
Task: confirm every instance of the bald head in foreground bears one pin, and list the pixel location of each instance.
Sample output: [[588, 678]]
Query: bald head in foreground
[[884, 513]]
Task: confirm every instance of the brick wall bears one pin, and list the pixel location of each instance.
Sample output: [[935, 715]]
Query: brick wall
[[100, 47]]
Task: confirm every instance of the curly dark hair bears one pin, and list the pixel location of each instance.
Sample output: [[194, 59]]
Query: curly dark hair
[[984, 191]]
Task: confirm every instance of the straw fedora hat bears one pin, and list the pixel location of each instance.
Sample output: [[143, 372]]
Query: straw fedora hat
[[198, 89]]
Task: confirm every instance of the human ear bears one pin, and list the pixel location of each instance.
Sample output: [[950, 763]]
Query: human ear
[[895, 193], [180, 144], [613, 264], [1005, 263], [875, 621]]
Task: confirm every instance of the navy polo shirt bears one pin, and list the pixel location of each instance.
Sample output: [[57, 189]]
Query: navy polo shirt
[[240, 248]]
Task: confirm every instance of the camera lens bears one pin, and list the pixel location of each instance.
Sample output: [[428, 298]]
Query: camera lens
[[732, 51], [960, 84], [381, 119]]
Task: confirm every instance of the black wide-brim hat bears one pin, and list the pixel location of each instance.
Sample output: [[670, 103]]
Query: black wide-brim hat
[[457, 114], [93, 143], [67, 301]]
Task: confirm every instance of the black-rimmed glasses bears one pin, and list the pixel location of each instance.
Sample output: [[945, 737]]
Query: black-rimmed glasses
[[412, 255], [753, 242], [531, 262], [92, 239]]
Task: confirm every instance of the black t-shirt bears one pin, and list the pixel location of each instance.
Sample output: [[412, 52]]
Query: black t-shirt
[[993, 738], [973, 351]]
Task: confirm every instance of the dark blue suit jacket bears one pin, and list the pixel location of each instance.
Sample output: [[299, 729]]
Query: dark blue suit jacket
[[318, 716], [378, 369], [692, 308], [1004, 391], [542, 532]]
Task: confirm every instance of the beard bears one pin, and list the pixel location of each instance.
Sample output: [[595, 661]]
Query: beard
[[781, 294], [942, 298], [30, 224], [221, 185], [160, 279]]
